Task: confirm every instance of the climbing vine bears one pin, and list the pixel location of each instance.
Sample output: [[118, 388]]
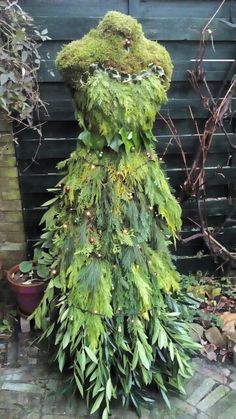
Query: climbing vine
[[19, 64]]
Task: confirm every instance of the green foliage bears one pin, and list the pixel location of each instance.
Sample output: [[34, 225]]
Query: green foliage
[[40, 264], [5, 326], [19, 63], [132, 113], [107, 310], [42, 271], [26, 266], [105, 45], [109, 291], [114, 113]]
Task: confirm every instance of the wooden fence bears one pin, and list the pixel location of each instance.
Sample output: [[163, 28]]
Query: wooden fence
[[177, 24]]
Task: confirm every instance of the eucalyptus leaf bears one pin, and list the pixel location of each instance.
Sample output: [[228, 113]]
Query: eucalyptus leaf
[[42, 271], [26, 266]]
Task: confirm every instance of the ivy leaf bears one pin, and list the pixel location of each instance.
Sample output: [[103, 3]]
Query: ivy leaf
[[86, 139], [24, 56], [116, 143], [91, 140], [19, 36]]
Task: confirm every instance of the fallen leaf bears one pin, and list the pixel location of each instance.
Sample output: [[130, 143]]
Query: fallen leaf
[[229, 320], [211, 356]]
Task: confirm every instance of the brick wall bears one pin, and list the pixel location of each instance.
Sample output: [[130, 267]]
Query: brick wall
[[12, 238]]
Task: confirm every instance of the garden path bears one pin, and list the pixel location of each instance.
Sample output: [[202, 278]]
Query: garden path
[[31, 389]]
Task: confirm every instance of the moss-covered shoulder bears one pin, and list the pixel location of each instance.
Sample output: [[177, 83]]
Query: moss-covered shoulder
[[105, 45]]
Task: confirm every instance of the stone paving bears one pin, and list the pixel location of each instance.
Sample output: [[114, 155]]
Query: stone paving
[[31, 389]]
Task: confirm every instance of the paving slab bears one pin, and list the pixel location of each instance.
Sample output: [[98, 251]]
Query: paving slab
[[23, 387], [12, 414], [208, 370], [233, 385], [213, 397], [192, 384], [183, 406], [56, 417], [201, 391], [202, 415], [230, 413], [14, 399], [222, 405]]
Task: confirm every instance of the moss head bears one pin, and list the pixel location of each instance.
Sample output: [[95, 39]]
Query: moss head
[[105, 45], [122, 91], [116, 23]]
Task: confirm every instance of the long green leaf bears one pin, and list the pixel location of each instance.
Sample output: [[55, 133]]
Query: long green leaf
[[108, 389], [165, 398], [66, 339], [105, 413], [142, 355], [91, 355], [61, 361], [49, 202], [97, 403], [79, 385]]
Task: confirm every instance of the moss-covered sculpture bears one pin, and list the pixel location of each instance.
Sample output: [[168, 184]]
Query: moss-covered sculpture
[[113, 323], [116, 50]]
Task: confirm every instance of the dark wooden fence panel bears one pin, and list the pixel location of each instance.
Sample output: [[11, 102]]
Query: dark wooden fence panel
[[177, 24]]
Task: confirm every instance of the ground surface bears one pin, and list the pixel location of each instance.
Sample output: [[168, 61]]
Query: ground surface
[[30, 389]]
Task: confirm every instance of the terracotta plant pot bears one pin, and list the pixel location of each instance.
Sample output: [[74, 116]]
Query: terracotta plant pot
[[28, 296]]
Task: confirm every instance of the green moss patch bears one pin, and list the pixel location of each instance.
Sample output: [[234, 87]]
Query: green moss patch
[[105, 45]]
